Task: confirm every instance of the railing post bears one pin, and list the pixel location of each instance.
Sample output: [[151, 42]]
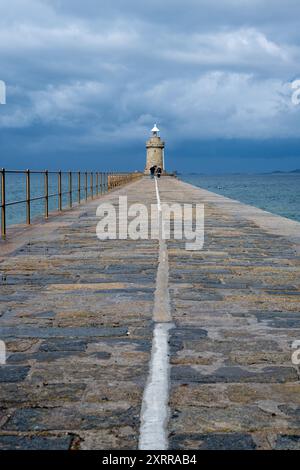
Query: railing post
[[59, 191], [92, 184], [79, 189], [70, 188], [101, 183], [28, 197], [3, 206], [97, 183], [86, 186], [46, 194]]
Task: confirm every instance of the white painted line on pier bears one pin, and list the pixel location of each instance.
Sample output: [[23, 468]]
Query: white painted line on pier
[[157, 195], [155, 409], [161, 310]]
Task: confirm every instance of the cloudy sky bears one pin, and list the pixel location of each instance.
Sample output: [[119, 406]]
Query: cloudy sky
[[86, 80]]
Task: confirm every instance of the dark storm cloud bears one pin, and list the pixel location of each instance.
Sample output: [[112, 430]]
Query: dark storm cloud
[[81, 75]]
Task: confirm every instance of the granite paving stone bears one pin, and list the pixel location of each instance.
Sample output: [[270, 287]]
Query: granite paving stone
[[76, 317], [235, 305]]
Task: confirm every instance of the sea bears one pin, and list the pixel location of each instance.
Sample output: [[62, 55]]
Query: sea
[[278, 193]]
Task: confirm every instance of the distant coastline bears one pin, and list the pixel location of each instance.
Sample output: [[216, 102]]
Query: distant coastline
[[282, 172]]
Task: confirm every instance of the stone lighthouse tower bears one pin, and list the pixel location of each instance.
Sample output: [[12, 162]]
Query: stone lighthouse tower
[[155, 151]]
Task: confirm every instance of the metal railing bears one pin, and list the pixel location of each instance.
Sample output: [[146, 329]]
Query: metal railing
[[88, 185]]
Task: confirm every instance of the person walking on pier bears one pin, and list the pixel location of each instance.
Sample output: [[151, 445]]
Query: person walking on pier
[[158, 172], [152, 171]]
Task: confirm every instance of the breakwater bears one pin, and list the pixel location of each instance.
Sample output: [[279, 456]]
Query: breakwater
[[81, 318]]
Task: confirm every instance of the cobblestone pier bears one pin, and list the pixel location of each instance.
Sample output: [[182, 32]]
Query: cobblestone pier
[[77, 319]]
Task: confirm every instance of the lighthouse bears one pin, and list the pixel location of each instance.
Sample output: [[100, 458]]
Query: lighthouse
[[155, 151]]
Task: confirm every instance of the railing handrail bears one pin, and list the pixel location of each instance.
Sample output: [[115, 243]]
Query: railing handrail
[[41, 172], [104, 183]]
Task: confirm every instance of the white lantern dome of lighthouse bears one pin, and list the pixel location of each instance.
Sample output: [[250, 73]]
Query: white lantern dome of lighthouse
[[155, 129]]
